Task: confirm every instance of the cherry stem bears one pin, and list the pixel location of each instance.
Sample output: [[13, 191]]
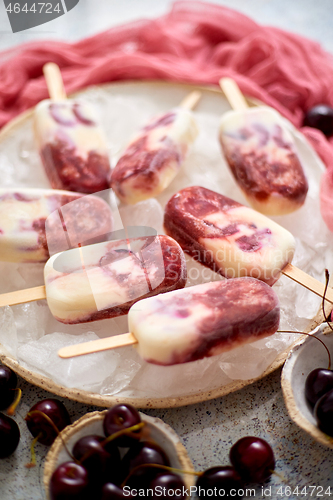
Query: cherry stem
[[13, 406], [327, 276], [50, 421], [279, 476], [311, 335], [163, 467], [32, 463], [123, 432]]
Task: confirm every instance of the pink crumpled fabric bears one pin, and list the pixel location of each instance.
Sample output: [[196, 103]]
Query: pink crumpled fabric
[[195, 42]]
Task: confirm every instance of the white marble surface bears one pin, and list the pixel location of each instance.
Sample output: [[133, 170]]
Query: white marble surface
[[208, 429]]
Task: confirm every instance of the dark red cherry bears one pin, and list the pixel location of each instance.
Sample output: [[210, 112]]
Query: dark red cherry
[[253, 459], [121, 417], [222, 478], [112, 492], [8, 382], [320, 117], [135, 463], [9, 436], [317, 383], [100, 464], [38, 420], [167, 485], [70, 481], [323, 412]]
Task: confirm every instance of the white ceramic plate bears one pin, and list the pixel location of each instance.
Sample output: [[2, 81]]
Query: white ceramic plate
[[304, 357], [30, 337]]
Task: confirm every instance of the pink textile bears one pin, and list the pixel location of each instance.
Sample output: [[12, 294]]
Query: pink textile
[[196, 42]]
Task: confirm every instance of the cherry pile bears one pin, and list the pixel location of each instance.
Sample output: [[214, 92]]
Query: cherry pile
[[9, 430], [126, 461], [319, 394], [110, 466]]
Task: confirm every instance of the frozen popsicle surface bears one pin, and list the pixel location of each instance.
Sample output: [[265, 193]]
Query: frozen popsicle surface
[[203, 320], [226, 236], [154, 156], [262, 157], [103, 280], [72, 146], [26, 215]]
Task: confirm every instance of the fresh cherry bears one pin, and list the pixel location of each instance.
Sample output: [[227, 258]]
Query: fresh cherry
[[167, 485], [100, 464], [39, 416], [9, 436], [253, 459], [323, 412], [121, 417], [134, 463], [222, 478], [70, 481], [112, 492], [317, 383], [320, 117], [8, 383]]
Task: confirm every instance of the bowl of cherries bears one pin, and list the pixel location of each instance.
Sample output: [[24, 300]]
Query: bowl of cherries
[[307, 385], [116, 453]]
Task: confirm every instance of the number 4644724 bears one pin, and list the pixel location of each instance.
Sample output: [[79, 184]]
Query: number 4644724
[[37, 7]]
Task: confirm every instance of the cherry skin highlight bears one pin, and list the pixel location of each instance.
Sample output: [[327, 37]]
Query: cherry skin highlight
[[38, 424], [317, 383], [253, 459], [8, 382], [70, 482], [220, 477], [9, 436], [121, 417], [320, 117], [323, 412]]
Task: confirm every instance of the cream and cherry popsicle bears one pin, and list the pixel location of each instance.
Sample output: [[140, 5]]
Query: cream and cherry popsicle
[[70, 219], [155, 155], [103, 280], [194, 323], [261, 154], [71, 144], [234, 240]]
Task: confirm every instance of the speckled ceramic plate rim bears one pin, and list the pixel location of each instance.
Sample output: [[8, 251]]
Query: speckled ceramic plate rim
[[93, 417], [288, 393], [140, 402]]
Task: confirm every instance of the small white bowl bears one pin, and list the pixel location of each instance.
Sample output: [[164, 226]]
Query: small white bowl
[[305, 356], [92, 423]]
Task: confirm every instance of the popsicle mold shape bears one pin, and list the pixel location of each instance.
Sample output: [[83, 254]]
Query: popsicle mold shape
[[154, 156], [262, 157], [104, 280], [228, 237], [35, 223], [72, 146]]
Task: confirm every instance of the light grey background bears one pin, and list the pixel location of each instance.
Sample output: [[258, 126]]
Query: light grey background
[[208, 429]]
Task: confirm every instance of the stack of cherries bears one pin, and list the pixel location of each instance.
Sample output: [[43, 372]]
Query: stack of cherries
[[9, 430], [126, 462]]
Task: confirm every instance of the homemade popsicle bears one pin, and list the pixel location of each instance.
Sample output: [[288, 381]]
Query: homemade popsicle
[[103, 280], [262, 156], [71, 219], [196, 322], [226, 236], [71, 144], [155, 155]]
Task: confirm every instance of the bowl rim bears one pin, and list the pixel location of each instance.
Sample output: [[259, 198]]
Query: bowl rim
[[98, 416]]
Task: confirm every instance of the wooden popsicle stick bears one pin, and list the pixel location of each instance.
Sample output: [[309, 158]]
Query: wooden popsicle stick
[[54, 82], [97, 345], [191, 100], [23, 296], [308, 282], [232, 92]]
